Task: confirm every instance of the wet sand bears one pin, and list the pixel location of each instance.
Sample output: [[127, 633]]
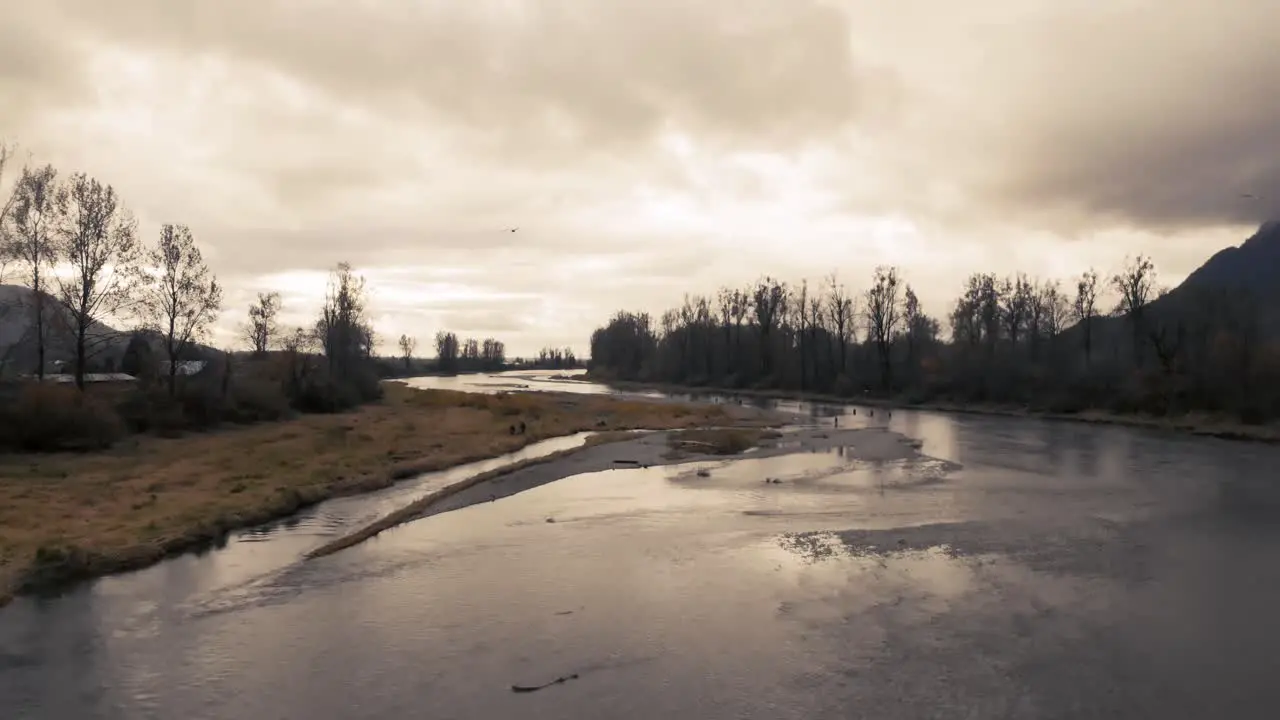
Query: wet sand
[[653, 450]]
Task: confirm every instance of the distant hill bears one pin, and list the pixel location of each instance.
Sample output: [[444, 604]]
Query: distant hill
[[18, 351], [1252, 268]]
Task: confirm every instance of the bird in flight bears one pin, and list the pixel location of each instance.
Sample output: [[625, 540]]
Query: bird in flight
[[512, 229], [1249, 196]]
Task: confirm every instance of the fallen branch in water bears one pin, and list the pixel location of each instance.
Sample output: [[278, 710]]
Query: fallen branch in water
[[533, 688]]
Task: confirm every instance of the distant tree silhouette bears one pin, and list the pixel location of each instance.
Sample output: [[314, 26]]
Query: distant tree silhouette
[[35, 214], [407, 346], [99, 244], [1015, 340], [181, 296], [261, 329]]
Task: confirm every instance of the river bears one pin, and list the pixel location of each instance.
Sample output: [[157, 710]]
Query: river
[[1023, 569]]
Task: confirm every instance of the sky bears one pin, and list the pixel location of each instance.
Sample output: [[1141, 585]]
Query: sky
[[648, 148]]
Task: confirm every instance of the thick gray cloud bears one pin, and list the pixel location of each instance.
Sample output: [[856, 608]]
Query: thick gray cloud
[[648, 147], [1077, 115], [1166, 115], [532, 79]]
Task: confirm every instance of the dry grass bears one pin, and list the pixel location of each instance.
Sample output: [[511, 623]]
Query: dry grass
[[718, 441], [67, 516]]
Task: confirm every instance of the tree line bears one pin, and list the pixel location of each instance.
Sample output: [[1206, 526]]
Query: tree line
[[1117, 342], [75, 245]]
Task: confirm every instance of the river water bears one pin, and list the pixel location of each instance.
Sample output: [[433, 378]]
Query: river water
[[1022, 569]]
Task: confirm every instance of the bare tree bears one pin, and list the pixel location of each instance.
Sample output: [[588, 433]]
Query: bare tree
[[840, 309], [725, 299], [769, 301], [883, 316], [182, 297], [1085, 308], [802, 325], [447, 350], [98, 243], [262, 328], [344, 330], [1055, 309], [916, 325], [38, 206], [409, 344], [1136, 284], [817, 323], [1016, 296]]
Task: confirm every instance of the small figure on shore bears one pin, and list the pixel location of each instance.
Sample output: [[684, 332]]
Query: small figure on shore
[[837, 419], [522, 427]]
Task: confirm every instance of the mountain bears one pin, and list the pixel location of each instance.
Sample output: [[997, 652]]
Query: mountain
[[18, 351], [1254, 266], [1250, 270]]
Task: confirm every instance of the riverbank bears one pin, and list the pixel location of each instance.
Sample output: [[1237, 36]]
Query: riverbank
[[69, 516], [1201, 424]]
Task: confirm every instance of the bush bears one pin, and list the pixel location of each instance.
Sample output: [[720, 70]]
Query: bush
[[49, 418], [256, 400], [320, 392], [151, 409]]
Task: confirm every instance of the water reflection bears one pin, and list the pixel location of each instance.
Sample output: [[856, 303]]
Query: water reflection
[[1022, 565]]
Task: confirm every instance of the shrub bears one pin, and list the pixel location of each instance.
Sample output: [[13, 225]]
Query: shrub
[[49, 418], [150, 408], [256, 400], [320, 392]]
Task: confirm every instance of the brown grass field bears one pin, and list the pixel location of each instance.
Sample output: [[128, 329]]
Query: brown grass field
[[69, 516]]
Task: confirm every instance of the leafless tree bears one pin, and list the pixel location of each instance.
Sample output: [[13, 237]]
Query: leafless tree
[[262, 328], [182, 298], [817, 324], [38, 208], [883, 313], [98, 244], [802, 326], [841, 312], [344, 330], [1085, 309], [1135, 284], [916, 325], [769, 302], [407, 346], [447, 351], [1055, 309], [1016, 296]]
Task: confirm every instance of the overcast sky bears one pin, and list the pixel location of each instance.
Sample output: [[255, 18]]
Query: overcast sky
[[650, 147]]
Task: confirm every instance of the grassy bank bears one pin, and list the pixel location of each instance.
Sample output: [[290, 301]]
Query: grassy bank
[[68, 516], [1202, 424]]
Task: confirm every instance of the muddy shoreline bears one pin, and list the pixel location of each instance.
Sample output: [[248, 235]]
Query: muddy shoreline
[[649, 449]]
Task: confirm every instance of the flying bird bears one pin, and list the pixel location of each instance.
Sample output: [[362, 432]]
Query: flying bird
[[512, 229], [1249, 196]]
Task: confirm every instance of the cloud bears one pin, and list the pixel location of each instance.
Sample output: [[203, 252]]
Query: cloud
[[38, 66], [529, 80], [646, 149], [1081, 116]]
